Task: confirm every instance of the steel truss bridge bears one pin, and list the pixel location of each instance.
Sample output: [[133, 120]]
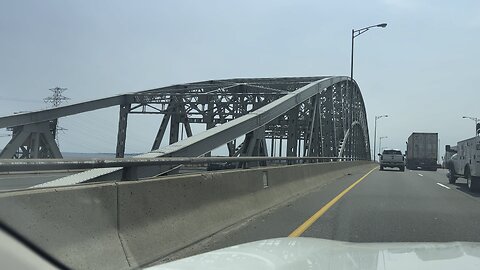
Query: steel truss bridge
[[254, 117]]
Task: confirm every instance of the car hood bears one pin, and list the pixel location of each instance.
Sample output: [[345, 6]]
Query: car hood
[[314, 253]]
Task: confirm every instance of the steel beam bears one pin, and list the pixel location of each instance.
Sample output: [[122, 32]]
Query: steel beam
[[55, 113], [122, 129], [161, 131], [174, 128], [292, 138], [15, 143], [311, 146], [34, 141], [9, 165]]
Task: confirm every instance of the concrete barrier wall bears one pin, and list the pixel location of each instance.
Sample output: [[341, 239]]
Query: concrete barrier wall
[[173, 212], [126, 224], [77, 225]]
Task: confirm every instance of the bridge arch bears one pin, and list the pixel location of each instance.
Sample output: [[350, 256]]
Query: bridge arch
[[301, 116]]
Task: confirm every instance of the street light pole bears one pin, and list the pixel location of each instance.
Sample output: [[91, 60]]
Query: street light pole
[[351, 56], [356, 33], [380, 143], [474, 119], [375, 135]]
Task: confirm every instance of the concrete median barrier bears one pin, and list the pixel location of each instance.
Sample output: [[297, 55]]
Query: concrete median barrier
[[161, 216], [129, 224], [77, 225]]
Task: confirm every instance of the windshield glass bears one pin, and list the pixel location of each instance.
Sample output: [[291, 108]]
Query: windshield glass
[[392, 152]]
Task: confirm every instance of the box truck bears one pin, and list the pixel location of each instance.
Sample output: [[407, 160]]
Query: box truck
[[422, 151]]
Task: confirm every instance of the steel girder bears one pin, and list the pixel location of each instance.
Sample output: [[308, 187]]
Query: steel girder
[[310, 116], [35, 140], [318, 123]]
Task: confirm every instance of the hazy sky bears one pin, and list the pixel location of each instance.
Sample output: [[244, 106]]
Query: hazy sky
[[421, 70]]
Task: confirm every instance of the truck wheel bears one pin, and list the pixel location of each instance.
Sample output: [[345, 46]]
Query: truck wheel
[[451, 176], [472, 182]]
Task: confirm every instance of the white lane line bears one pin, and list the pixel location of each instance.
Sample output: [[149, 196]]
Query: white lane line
[[420, 174], [442, 185]]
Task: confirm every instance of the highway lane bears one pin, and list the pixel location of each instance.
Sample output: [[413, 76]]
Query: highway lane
[[386, 206], [25, 180], [392, 206]]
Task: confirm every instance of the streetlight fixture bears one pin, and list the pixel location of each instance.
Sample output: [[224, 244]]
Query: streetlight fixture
[[356, 33], [375, 136], [476, 122], [380, 143]]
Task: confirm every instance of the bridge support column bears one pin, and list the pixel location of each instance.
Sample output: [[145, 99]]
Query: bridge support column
[[163, 127], [292, 132], [311, 147], [328, 124], [174, 128], [232, 146], [122, 130], [33, 141], [280, 144], [186, 124], [209, 116], [178, 116], [254, 145]]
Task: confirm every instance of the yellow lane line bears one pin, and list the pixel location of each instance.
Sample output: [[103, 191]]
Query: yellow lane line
[[298, 231]]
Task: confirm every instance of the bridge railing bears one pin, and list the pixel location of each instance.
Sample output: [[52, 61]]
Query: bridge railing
[[210, 163]]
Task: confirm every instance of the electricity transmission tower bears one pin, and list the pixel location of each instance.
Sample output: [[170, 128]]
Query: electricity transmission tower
[[56, 99]]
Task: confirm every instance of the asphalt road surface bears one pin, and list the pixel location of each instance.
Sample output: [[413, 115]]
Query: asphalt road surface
[[26, 180], [386, 206]]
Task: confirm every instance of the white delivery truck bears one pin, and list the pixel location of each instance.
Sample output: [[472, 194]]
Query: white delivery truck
[[465, 162], [422, 151]]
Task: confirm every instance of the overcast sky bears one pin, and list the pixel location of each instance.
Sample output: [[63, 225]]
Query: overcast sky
[[422, 69]]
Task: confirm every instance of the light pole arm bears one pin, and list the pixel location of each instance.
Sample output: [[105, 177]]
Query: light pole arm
[[356, 33]]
